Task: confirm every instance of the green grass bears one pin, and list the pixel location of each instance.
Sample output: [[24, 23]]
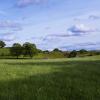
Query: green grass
[[4, 52], [56, 79], [51, 55]]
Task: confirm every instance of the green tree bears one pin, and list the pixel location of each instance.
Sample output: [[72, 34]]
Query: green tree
[[39, 51], [2, 44], [57, 50], [46, 52], [16, 50], [82, 51], [29, 49], [73, 54]]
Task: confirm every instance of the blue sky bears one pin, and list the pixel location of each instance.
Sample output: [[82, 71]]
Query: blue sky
[[63, 24]]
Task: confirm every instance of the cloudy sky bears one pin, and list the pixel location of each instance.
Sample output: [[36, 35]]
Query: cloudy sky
[[63, 24]]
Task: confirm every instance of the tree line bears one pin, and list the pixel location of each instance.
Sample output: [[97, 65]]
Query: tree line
[[30, 50], [27, 49]]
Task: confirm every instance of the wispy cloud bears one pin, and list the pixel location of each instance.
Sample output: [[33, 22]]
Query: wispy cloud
[[94, 17], [86, 45], [24, 3], [8, 37], [8, 29], [90, 16], [73, 31], [10, 25]]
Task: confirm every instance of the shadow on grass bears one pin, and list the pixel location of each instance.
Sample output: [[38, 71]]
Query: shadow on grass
[[75, 80], [54, 63]]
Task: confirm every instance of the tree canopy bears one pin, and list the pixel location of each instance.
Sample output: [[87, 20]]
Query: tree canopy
[[29, 49], [16, 50], [2, 44]]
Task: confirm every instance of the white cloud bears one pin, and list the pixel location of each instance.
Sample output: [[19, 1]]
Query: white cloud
[[75, 30], [80, 29]]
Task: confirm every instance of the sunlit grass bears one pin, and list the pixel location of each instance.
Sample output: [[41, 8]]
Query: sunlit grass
[[55, 79]]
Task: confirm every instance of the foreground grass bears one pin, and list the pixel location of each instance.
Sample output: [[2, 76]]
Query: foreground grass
[[56, 79]]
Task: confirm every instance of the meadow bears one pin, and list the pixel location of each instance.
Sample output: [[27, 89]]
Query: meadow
[[50, 79]]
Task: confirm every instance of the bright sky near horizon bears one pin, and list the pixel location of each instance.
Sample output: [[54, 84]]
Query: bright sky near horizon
[[63, 24]]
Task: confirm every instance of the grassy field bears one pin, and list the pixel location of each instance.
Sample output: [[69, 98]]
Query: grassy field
[[56, 79]]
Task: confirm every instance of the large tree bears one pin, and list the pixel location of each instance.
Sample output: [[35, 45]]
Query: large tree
[[57, 50], [2, 44], [73, 54], [16, 50], [29, 49], [82, 51]]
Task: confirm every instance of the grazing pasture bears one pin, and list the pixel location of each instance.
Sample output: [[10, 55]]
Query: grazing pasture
[[55, 79]]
